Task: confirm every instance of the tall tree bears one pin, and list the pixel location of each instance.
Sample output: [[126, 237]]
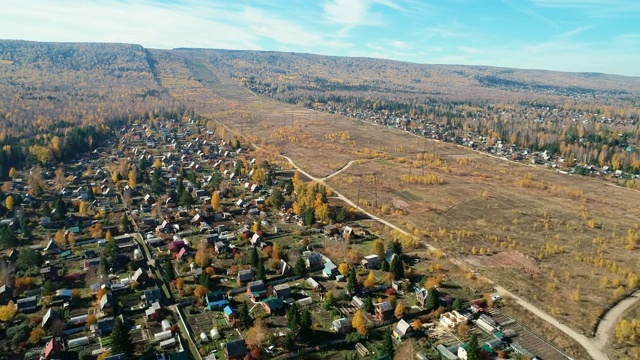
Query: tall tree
[[215, 200], [120, 341], [293, 318], [169, 271], [254, 257], [305, 322], [397, 267], [132, 179], [473, 348], [433, 299], [359, 322], [8, 203], [352, 282], [300, 267], [396, 247], [387, 343], [244, 317], [261, 273]]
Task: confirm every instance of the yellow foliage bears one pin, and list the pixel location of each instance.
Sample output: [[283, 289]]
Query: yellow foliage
[[8, 312]]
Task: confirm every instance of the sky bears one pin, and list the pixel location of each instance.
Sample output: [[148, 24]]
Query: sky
[[565, 35]]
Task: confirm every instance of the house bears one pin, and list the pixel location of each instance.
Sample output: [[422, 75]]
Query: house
[[236, 349], [51, 349], [452, 319], [370, 261], [421, 296], [313, 260], [106, 303], [216, 300], [273, 305], [384, 311], [6, 293], [341, 326], [27, 304], [398, 285], [140, 276], [330, 230], [329, 270], [151, 296], [52, 248], [103, 326], [48, 318], [245, 275], [256, 238], [229, 314], [152, 311], [256, 290], [116, 357], [282, 291], [402, 330], [389, 256], [49, 272]]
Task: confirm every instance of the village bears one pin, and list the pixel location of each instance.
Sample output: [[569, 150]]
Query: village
[[451, 132], [173, 242]]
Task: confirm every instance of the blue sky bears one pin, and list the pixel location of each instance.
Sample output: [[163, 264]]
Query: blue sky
[[566, 35]]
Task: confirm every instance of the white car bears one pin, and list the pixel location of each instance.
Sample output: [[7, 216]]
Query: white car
[[271, 349], [496, 297]]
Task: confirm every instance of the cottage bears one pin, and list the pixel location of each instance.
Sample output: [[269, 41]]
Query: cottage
[[329, 270], [103, 326], [51, 349], [314, 284], [52, 248], [402, 330], [27, 304], [245, 275], [106, 304], [313, 260], [357, 302], [452, 319], [421, 296], [273, 305], [151, 296], [330, 230], [48, 318], [370, 261], [256, 290], [282, 291], [229, 314], [384, 311], [462, 351], [236, 349], [49, 272], [216, 300], [140, 276], [341, 326]]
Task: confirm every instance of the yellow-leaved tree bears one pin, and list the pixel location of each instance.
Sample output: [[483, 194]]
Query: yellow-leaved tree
[[132, 179], [343, 269], [8, 202], [215, 200], [8, 312], [370, 281], [13, 173], [359, 322]]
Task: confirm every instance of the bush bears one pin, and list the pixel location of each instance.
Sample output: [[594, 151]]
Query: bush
[[355, 337]]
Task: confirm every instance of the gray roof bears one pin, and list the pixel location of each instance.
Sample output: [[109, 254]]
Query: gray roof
[[236, 348], [105, 300], [384, 306], [402, 327]]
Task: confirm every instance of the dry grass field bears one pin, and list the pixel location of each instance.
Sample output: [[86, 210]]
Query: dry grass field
[[560, 241]]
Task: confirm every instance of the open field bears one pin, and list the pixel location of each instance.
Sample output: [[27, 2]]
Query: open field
[[575, 229]]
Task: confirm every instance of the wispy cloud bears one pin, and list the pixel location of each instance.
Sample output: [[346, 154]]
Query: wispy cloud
[[353, 13]]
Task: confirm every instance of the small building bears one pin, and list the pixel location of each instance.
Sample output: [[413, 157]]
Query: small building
[[273, 305], [462, 350], [341, 326], [216, 300], [106, 303], [48, 318], [314, 284], [236, 349], [49, 272], [27, 304], [152, 295], [256, 290], [402, 330], [357, 302], [313, 260], [282, 291], [52, 349], [229, 314], [421, 296], [329, 270], [245, 275], [452, 319], [384, 311], [330, 230], [370, 262]]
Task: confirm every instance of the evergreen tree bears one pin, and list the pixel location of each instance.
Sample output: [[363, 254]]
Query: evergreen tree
[[385, 265], [300, 268], [305, 322], [125, 223], [293, 318], [457, 304], [387, 343], [309, 217], [277, 199], [352, 282], [61, 209], [157, 184], [244, 317], [473, 349], [396, 247], [433, 299], [186, 199], [254, 257], [46, 209], [204, 280], [7, 237], [120, 341], [288, 187], [397, 267], [289, 341], [169, 272], [261, 273], [368, 305]]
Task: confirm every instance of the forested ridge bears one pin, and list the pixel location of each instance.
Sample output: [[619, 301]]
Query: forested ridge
[[60, 98]]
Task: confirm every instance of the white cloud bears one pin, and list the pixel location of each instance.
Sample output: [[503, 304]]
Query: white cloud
[[353, 13]]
